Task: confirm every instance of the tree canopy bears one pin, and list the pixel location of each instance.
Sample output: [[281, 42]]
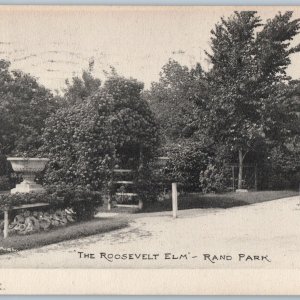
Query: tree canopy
[[245, 107], [85, 140], [81, 87], [172, 99], [247, 102], [24, 107]]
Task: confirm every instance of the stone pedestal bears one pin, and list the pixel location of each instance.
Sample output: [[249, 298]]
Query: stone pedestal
[[28, 167], [27, 186]]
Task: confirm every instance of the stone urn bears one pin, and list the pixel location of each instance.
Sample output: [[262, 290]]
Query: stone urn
[[28, 167]]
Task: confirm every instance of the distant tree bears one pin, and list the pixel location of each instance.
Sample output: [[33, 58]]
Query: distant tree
[[172, 99], [283, 159], [24, 107], [247, 103], [82, 87], [135, 126]]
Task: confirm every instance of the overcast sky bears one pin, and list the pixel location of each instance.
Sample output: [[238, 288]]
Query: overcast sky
[[57, 43]]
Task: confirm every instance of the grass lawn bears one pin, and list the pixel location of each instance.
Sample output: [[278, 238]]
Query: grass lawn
[[226, 200], [76, 230]]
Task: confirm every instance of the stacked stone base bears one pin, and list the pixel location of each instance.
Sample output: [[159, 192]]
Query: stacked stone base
[[30, 221]]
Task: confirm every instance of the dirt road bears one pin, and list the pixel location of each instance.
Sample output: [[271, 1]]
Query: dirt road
[[265, 235]]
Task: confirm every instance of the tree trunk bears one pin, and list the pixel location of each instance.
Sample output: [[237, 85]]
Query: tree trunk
[[240, 177]]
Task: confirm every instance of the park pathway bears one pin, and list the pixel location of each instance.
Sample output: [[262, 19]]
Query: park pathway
[[265, 235]]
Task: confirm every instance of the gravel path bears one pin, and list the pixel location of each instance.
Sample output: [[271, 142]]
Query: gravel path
[[265, 235]]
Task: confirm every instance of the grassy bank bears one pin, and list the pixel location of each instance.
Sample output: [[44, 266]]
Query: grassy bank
[[226, 200], [76, 230]]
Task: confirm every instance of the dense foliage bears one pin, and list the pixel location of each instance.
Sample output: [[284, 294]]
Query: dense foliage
[[186, 161], [110, 127], [24, 107], [247, 102], [213, 179], [81, 88], [172, 99], [83, 201], [78, 141], [134, 126], [245, 107], [7, 178], [282, 169]]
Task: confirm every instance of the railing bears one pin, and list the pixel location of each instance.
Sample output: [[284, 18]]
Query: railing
[[125, 194]]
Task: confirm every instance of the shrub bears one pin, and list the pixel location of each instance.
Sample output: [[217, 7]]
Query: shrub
[[5, 183], [148, 187], [212, 179], [84, 202], [282, 168], [7, 177], [186, 161], [78, 141]]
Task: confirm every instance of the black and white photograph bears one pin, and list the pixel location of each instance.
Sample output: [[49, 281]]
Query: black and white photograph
[[149, 138]]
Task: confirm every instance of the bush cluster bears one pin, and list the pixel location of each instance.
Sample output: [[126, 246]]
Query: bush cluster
[[281, 169], [212, 179], [5, 183], [186, 161], [79, 144], [7, 177], [84, 202], [195, 167], [87, 139]]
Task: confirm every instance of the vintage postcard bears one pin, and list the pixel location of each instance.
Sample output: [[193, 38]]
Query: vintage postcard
[[149, 150]]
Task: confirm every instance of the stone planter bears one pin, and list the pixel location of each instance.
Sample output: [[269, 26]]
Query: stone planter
[[28, 167]]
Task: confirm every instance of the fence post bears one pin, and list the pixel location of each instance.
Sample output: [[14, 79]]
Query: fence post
[[109, 201], [233, 187], [174, 199], [5, 230], [140, 204], [255, 177]]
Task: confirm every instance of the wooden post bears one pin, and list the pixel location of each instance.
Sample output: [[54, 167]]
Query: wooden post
[[5, 230], [233, 187], [255, 177], [141, 166], [109, 203], [140, 204], [240, 175], [174, 199]]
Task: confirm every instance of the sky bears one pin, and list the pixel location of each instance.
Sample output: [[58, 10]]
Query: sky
[[57, 43]]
